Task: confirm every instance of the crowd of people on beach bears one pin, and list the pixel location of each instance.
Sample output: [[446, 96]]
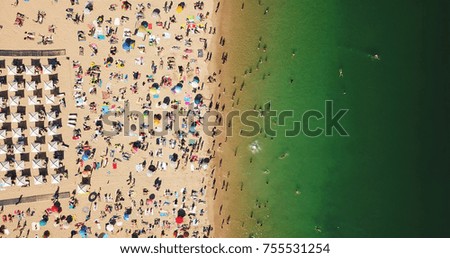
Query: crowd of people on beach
[[144, 162]]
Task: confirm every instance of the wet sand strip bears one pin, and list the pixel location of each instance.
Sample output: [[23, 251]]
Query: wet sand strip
[[55, 52], [34, 198]]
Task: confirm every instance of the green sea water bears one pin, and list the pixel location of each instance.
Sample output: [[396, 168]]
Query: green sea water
[[390, 177]]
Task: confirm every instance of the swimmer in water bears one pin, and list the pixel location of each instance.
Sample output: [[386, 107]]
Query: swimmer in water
[[341, 73], [375, 57], [284, 155], [266, 171]]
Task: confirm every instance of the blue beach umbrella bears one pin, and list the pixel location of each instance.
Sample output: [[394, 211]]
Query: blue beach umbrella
[[128, 44], [42, 223], [198, 99], [177, 88], [83, 232], [192, 128]]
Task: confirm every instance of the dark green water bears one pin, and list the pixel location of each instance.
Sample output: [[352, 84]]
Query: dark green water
[[390, 177]]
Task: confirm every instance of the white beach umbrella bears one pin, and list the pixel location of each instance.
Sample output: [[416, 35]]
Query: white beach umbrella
[[34, 131], [56, 178], [2, 134], [52, 130], [16, 117], [19, 164], [12, 70], [30, 86], [33, 100], [21, 181], [55, 163], [38, 180], [49, 85], [49, 99], [18, 148], [81, 188], [3, 149], [51, 116], [6, 182], [14, 100], [47, 69], [110, 227], [33, 116], [17, 132], [2, 117], [35, 147], [13, 86], [36, 163], [52, 146], [30, 70], [4, 166]]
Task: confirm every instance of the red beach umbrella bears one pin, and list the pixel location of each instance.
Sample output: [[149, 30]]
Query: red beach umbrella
[[179, 220]]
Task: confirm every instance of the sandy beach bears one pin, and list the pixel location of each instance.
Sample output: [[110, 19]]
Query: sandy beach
[[132, 83]]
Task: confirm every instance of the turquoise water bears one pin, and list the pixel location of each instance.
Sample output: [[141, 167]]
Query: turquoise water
[[390, 177]]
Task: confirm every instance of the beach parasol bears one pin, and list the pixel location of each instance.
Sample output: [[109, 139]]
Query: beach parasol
[[198, 99], [128, 44], [12, 70], [21, 181], [19, 164], [35, 147], [52, 130], [103, 235], [55, 163], [4, 166], [33, 116], [33, 100], [34, 131], [83, 232], [82, 188], [179, 220], [181, 213], [16, 117], [38, 180], [49, 85], [6, 182], [49, 99], [53, 146], [195, 81], [17, 132], [36, 163], [110, 227], [177, 88], [3, 149], [166, 102], [14, 100], [56, 178], [144, 24], [180, 7], [13, 86], [30, 86], [155, 13], [47, 69], [2, 117], [2, 134], [51, 116], [30, 70], [18, 148]]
